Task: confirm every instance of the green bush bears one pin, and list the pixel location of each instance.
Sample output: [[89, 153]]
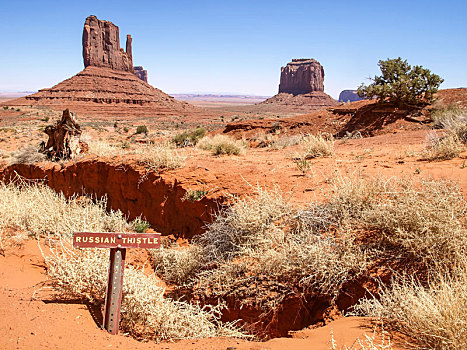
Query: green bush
[[140, 225], [142, 129], [189, 138], [402, 84]]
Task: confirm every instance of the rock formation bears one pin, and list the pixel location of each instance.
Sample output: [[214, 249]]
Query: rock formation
[[101, 46], [301, 88], [108, 85], [302, 76], [141, 73], [349, 96]]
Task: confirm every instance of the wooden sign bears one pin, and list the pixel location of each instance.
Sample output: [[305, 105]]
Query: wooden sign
[[117, 242]]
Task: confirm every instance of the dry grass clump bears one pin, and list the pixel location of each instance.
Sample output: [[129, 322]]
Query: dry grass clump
[[146, 313], [38, 210], [453, 119], [106, 149], [222, 144], [433, 315], [256, 241], [316, 146], [27, 155], [378, 340], [158, 157], [446, 147], [424, 220]]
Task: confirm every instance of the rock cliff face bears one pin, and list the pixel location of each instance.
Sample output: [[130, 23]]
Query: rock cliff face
[[301, 88], [141, 73], [349, 95], [101, 46], [302, 76]]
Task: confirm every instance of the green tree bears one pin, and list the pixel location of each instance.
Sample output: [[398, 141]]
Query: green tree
[[402, 84]]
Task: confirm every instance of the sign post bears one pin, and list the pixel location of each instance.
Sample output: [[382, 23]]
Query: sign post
[[117, 242]]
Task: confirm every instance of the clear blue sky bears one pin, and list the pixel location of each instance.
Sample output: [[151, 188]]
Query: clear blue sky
[[236, 46]]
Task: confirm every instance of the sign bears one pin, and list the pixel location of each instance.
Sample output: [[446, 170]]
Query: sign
[[117, 242]]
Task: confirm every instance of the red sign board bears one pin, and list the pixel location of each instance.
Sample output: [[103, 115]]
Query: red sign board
[[116, 240]]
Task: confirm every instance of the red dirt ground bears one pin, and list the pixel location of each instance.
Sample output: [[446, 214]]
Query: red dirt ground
[[36, 320]]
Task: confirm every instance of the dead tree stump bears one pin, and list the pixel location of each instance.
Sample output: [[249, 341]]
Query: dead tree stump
[[64, 138]]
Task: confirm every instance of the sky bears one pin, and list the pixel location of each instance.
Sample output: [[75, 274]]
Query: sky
[[236, 46]]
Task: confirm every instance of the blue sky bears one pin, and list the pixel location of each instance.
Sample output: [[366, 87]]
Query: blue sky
[[236, 46]]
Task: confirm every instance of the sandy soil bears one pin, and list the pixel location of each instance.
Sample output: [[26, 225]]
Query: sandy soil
[[33, 318]]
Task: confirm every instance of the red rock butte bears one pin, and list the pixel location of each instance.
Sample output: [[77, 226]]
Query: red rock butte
[[108, 85], [302, 86]]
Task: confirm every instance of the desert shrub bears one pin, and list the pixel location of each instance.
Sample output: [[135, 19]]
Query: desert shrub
[[277, 143], [177, 265], [159, 157], [146, 313], [316, 146], [189, 138], [38, 210], [105, 149], [432, 316], [27, 155], [453, 119], [402, 84], [252, 242], [142, 129], [195, 195], [446, 147], [222, 144], [424, 220], [140, 225]]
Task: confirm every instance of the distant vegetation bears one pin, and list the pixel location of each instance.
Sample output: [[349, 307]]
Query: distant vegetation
[[402, 84], [189, 138]]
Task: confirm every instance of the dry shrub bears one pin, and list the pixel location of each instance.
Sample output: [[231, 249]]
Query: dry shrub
[[255, 241], [146, 313], [158, 157], [222, 144], [424, 220], [37, 209], [278, 143], [106, 149], [27, 155], [446, 147], [453, 119], [316, 146], [176, 265], [433, 316]]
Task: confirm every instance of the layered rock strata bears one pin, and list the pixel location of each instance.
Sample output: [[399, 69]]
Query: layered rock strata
[[108, 85]]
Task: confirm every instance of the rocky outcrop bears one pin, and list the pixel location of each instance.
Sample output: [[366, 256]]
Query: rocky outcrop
[[141, 73], [101, 46], [302, 76], [301, 88], [107, 86], [349, 96]]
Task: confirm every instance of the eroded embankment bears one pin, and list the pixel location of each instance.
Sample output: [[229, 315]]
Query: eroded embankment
[[129, 188]]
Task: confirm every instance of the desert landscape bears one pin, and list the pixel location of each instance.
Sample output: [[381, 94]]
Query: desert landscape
[[293, 221]]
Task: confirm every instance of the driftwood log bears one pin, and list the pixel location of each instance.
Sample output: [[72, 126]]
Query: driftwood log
[[64, 138]]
